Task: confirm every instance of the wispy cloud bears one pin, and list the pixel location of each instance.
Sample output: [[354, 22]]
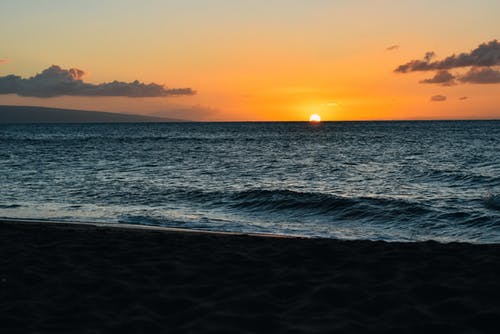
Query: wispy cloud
[[2, 60], [462, 98], [486, 54], [198, 112], [55, 81], [392, 47], [438, 98]]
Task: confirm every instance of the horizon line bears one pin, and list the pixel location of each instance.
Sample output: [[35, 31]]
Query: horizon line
[[177, 120]]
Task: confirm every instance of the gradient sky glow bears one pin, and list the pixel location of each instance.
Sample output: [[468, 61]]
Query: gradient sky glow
[[255, 60]]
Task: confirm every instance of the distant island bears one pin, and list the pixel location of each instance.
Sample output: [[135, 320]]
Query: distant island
[[34, 114]]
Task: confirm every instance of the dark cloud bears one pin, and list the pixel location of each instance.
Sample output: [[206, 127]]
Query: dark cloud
[[481, 76], [462, 98], [55, 81], [392, 47], [485, 55], [438, 98], [429, 55], [483, 62], [442, 77]]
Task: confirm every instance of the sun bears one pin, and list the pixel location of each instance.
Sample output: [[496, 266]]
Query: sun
[[315, 118]]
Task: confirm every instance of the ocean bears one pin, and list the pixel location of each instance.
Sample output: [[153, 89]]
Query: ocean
[[392, 181]]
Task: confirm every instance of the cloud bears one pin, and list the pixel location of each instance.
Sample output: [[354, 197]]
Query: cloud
[[442, 77], [438, 98], [462, 98], [483, 62], [3, 61], [481, 76], [485, 55], [392, 47], [429, 55], [55, 81], [197, 112]]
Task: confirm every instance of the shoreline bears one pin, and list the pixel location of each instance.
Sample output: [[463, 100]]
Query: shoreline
[[139, 227], [166, 229], [62, 277]]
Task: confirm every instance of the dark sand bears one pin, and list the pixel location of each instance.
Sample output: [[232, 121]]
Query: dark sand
[[58, 278]]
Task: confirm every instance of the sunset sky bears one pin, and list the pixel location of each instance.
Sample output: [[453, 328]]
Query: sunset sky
[[226, 60]]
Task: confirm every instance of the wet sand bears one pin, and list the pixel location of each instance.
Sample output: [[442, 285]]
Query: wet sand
[[73, 278]]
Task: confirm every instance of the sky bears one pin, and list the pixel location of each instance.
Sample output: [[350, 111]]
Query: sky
[[273, 60]]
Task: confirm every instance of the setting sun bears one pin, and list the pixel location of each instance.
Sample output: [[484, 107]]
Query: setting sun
[[315, 118]]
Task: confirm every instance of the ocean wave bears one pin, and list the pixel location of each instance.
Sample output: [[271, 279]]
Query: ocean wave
[[325, 204], [9, 206], [459, 178], [291, 204], [492, 201]]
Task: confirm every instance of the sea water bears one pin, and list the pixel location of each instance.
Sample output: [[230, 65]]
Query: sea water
[[395, 181]]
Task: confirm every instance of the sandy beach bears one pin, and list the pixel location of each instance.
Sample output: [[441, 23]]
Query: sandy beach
[[74, 278]]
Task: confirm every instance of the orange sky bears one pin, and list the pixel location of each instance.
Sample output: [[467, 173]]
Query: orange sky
[[272, 60]]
